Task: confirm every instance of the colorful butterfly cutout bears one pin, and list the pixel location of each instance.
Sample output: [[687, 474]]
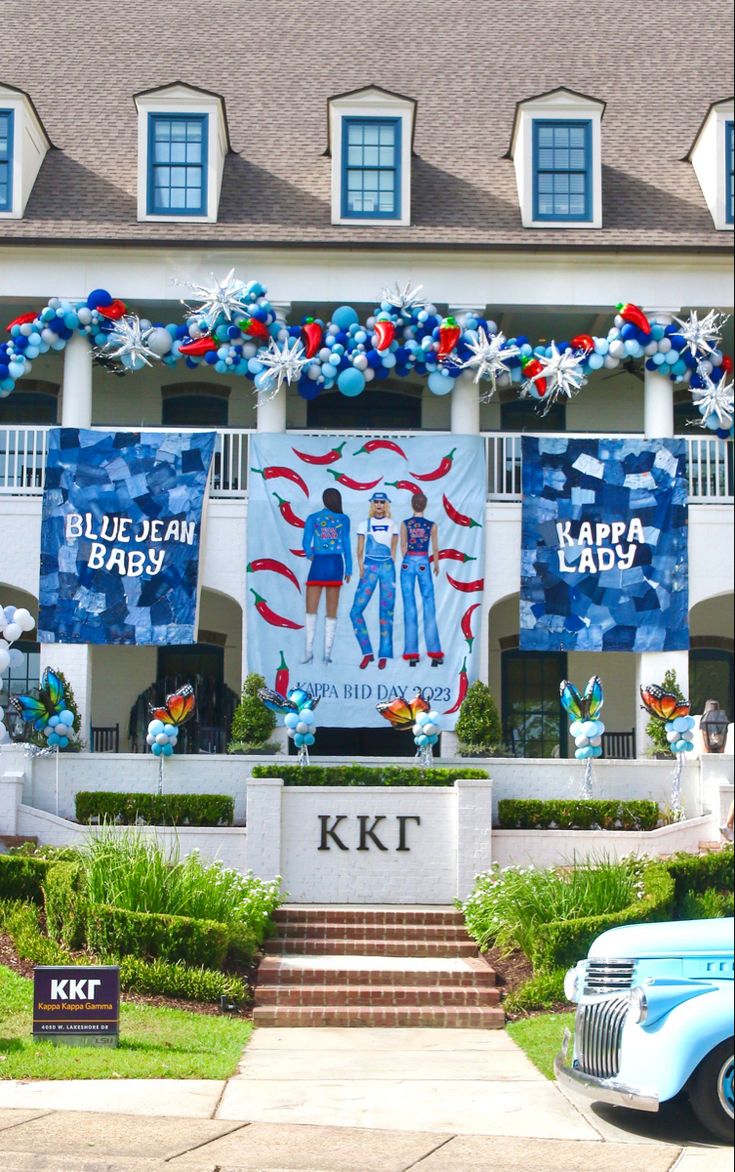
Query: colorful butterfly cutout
[[663, 705], [179, 707], [584, 707], [400, 713], [282, 705], [38, 710]]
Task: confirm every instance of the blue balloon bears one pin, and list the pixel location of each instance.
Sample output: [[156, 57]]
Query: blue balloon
[[155, 727], [53, 721], [66, 717], [351, 382], [166, 750], [440, 384], [63, 742], [156, 749], [291, 720], [309, 739], [99, 297], [345, 316]]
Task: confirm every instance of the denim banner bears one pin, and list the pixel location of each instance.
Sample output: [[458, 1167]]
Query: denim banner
[[120, 536], [604, 560]]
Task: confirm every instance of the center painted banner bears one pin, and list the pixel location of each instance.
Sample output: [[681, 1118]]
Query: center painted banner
[[365, 569]]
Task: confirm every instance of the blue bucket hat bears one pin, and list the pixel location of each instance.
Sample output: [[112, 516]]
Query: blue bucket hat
[[380, 496]]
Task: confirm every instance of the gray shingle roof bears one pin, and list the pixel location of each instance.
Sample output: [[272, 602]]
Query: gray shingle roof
[[466, 63]]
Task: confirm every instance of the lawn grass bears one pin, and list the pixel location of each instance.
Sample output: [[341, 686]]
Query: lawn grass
[[540, 1038], [154, 1043]]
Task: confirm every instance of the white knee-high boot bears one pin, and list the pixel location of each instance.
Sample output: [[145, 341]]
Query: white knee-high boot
[[310, 629], [330, 628]]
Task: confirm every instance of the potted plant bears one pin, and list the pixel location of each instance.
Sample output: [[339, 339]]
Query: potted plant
[[478, 728], [252, 722], [656, 729]]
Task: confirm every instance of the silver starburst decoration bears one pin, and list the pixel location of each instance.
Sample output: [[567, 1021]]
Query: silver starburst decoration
[[489, 358], [128, 337], [702, 337], [285, 364], [563, 374], [716, 399], [222, 299], [406, 299]]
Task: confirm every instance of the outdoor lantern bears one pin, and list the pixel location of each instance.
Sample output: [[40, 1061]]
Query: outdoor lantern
[[714, 727]]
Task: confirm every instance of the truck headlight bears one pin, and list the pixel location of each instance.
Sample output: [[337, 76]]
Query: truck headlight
[[638, 1008], [571, 984]]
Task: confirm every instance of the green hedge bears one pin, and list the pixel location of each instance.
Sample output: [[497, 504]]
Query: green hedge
[[176, 979], [154, 809], [66, 904], [349, 775], [616, 814], [22, 877], [563, 942], [112, 930], [697, 874], [20, 920]]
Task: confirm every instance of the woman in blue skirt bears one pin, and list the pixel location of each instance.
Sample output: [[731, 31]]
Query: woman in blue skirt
[[327, 544]]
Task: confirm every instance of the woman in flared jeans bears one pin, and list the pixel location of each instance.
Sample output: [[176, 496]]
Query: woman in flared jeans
[[417, 535]]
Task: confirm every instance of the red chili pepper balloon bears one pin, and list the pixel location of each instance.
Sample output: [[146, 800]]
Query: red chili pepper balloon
[[277, 568], [276, 472], [23, 319], [288, 514], [326, 458], [355, 485], [281, 681], [312, 336], [449, 334], [726, 366], [379, 445], [385, 333], [463, 685], [405, 486], [453, 555], [457, 517], [466, 623], [257, 330], [440, 470], [198, 346], [466, 587], [532, 369], [634, 314], [270, 616], [114, 311], [583, 342]]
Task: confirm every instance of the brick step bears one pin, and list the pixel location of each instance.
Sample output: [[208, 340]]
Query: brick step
[[454, 1017], [339, 996], [474, 972], [362, 947], [11, 840], [311, 915], [372, 932]]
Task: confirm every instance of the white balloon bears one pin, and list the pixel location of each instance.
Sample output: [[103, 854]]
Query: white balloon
[[672, 736], [596, 741], [24, 619], [149, 739], [13, 631], [4, 661], [581, 742], [161, 739], [9, 613], [159, 341], [434, 717]]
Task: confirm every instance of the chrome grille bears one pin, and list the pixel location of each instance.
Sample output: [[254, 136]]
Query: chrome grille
[[608, 976], [598, 1028]]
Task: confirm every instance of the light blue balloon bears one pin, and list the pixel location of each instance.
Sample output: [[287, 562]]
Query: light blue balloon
[[680, 724], [689, 722], [63, 742], [291, 719], [440, 384], [53, 739], [595, 361], [351, 382], [309, 739], [66, 717], [575, 728], [167, 750], [156, 750], [589, 728], [345, 316], [299, 740], [306, 716], [155, 727], [596, 750]]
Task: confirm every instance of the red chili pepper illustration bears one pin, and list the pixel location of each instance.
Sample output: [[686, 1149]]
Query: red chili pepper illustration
[[385, 333], [281, 682], [634, 315], [531, 370], [356, 485], [327, 458], [405, 486], [380, 445], [288, 514], [453, 555], [583, 342], [449, 334], [276, 472], [23, 320], [297, 553], [461, 691], [198, 346], [276, 567], [270, 616], [257, 330], [466, 623], [440, 470], [311, 335], [466, 587], [457, 517]]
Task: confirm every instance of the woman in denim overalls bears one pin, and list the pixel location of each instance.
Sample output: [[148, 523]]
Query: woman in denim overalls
[[417, 534]]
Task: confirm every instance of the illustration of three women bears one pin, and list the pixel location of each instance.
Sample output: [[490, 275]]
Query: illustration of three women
[[327, 544]]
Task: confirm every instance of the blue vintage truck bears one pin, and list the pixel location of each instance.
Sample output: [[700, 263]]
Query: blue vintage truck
[[655, 1017]]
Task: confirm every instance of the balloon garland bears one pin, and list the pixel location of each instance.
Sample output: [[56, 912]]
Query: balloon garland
[[673, 714], [233, 327], [586, 726], [297, 709]]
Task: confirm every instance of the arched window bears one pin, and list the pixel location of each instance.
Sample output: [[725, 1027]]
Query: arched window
[[711, 672], [194, 405]]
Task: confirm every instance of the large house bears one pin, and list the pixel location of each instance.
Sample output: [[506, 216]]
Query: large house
[[530, 166]]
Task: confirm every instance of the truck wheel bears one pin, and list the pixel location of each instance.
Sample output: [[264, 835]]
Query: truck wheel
[[711, 1091]]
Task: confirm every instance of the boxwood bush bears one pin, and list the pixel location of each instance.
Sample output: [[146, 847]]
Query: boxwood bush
[[66, 904], [22, 877], [698, 874], [113, 930], [614, 814], [355, 775], [129, 809]]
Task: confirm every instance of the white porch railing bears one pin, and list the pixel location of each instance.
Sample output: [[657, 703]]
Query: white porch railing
[[23, 462]]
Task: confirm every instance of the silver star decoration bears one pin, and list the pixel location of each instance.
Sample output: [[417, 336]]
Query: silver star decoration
[[489, 357], [130, 338], [702, 337], [404, 298], [563, 374], [285, 364], [222, 299], [716, 398]]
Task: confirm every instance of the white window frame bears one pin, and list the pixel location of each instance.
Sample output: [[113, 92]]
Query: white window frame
[[30, 144], [708, 158], [371, 103]]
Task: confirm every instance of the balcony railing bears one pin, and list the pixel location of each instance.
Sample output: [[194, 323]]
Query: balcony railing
[[23, 461]]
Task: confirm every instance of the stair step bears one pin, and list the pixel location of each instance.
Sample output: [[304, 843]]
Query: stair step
[[357, 931], [309, 915], [361, 947], [464, 972], [401, 996], [438, 1017], [11, 840]]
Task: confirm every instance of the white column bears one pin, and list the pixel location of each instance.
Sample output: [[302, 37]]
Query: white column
[[263, 820], [76, 400], [271, 414], [474, 830], [465, 406]]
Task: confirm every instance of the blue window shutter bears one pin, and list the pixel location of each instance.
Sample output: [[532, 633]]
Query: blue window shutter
[[562, 178], [729, 186], [371, 169], [6, 160], [178, 148]]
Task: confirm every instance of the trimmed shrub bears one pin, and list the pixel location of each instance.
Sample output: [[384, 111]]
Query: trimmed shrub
[[252, 722], [356, 775], [479, 720], [22, 877], [700, 873], [66, 904], [20, 921], [130, 809], [705, 905], [112, 930], [176, 979], [526, 814]]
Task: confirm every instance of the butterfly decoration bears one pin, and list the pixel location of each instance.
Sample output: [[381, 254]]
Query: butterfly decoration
[[179, 707], [584, 707], [38, 710], [296, 700], [401, 713], [663, 705]]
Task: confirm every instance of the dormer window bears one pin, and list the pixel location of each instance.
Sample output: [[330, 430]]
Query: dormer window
[[23, 147], [711, 157], [370, 138], [6, 160], [556, 152]]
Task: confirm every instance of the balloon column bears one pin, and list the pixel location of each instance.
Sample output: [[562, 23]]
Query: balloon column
[[297, 710], [14, 622], [585, 727], [166, 720], [49, 714], [673, 713], [426, 731]]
